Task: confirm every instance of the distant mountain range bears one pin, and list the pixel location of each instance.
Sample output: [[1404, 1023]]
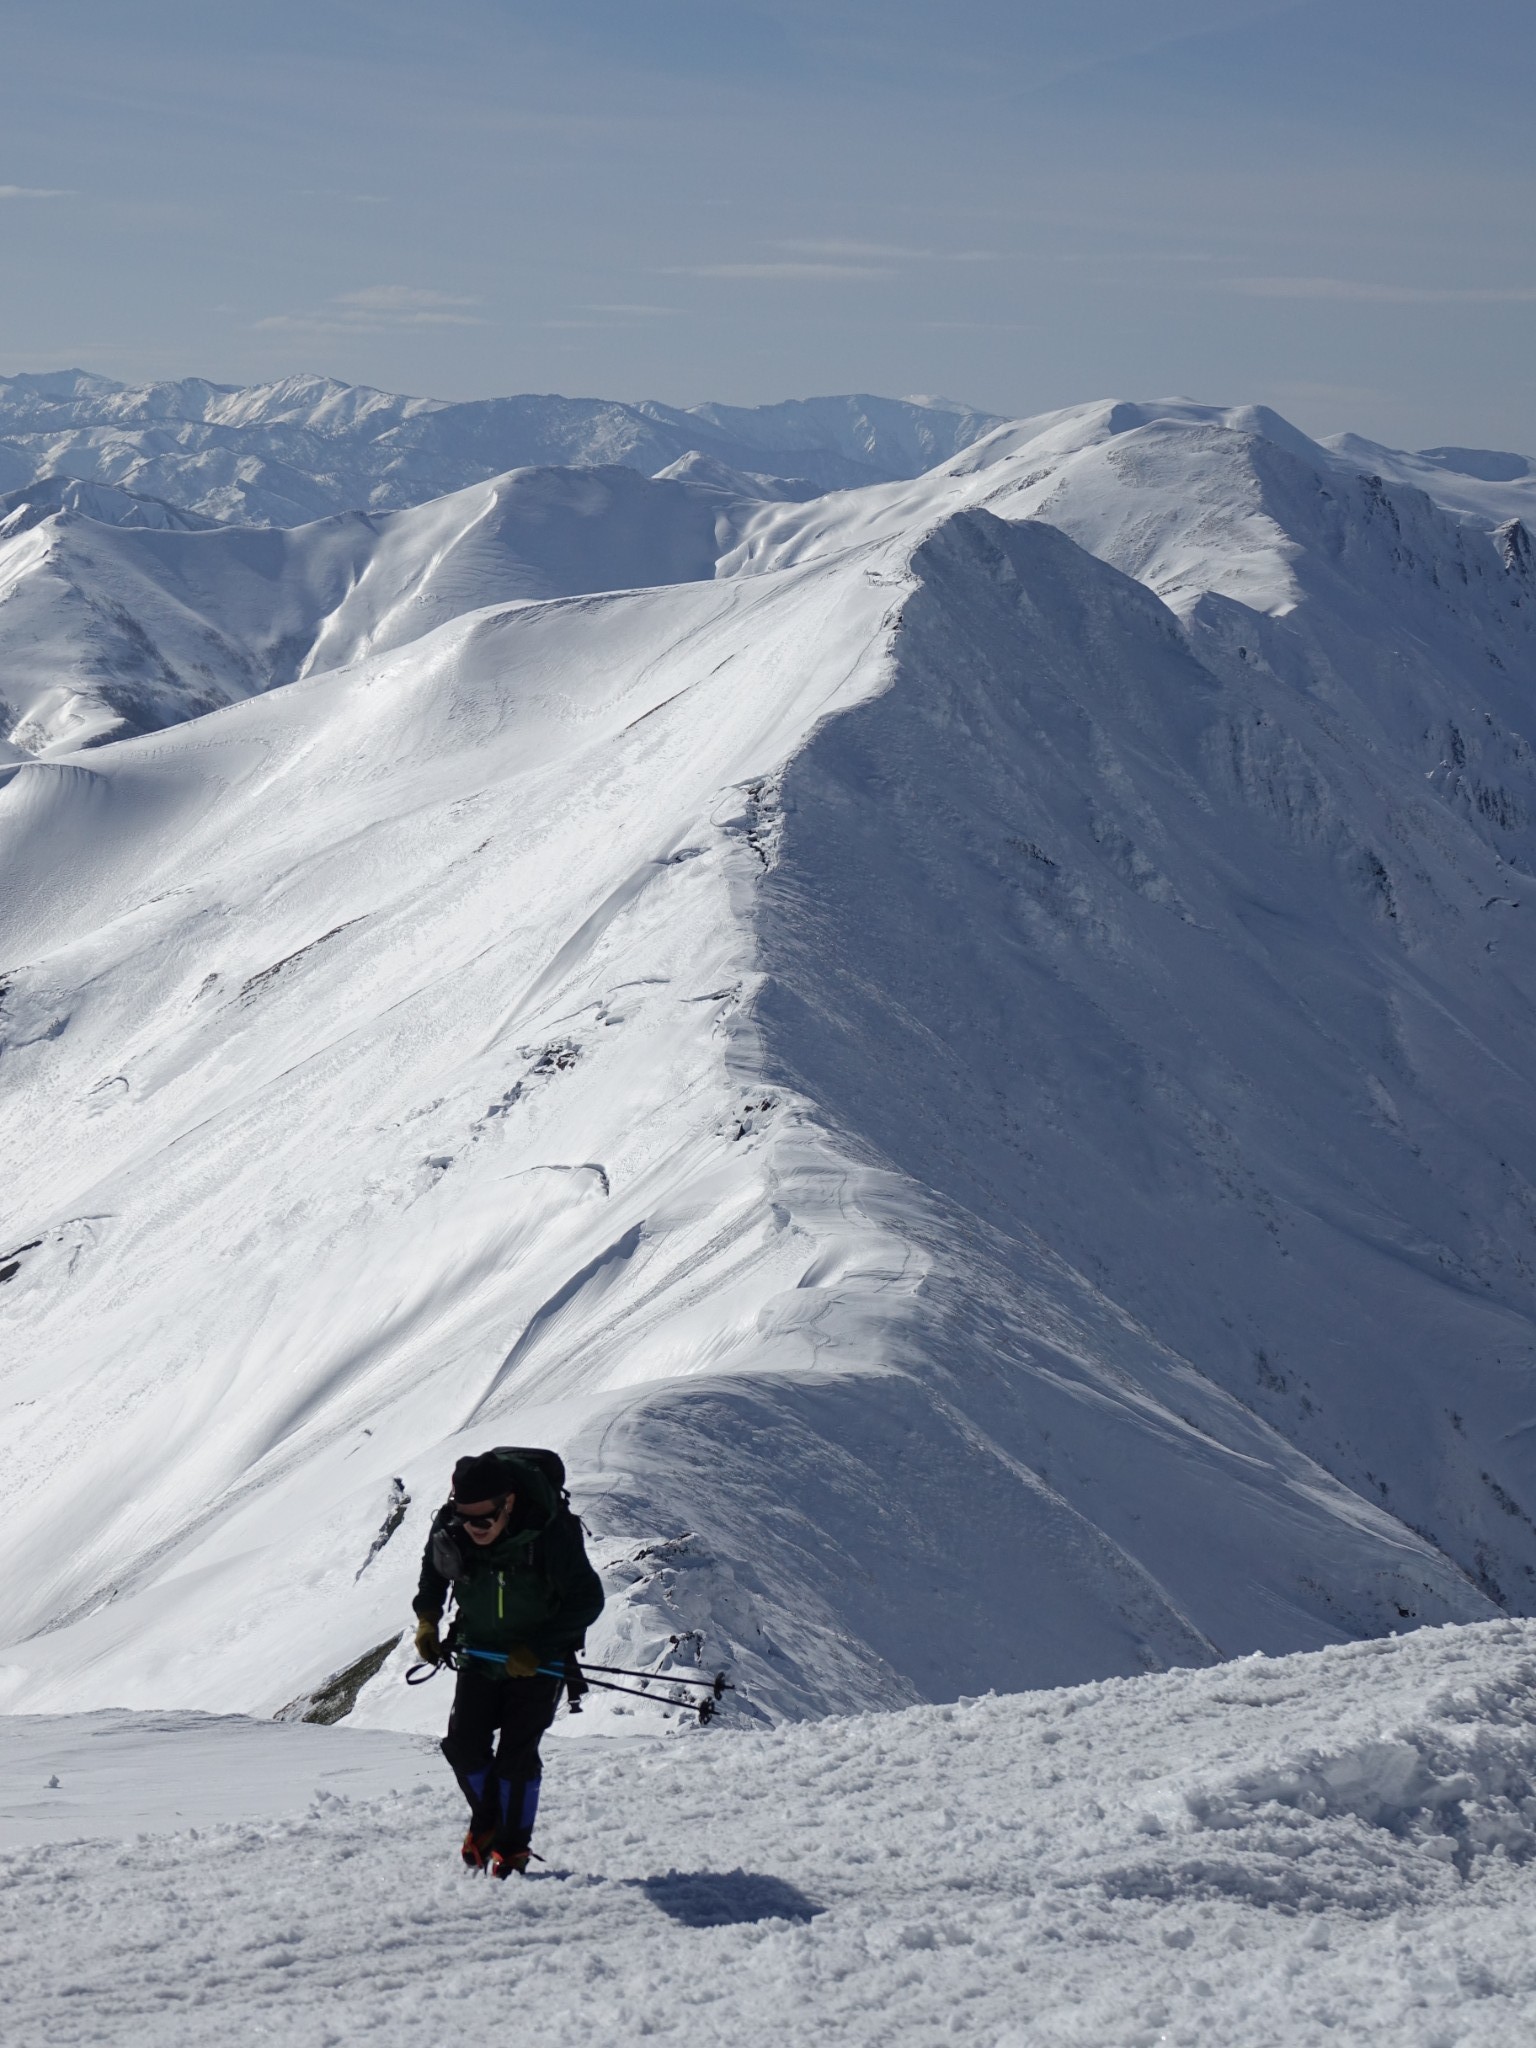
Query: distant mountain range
[[281, 454]]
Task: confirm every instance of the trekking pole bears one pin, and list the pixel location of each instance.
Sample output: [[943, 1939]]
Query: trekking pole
[[719, 1685], [715, 1688], [454, 1659], [707, 1707]]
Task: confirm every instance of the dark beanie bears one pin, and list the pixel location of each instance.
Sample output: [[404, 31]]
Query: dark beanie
[[483, 1478]]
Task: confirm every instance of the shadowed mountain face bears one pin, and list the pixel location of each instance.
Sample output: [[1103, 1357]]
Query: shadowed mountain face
[[1186, 975], [962, 1049]]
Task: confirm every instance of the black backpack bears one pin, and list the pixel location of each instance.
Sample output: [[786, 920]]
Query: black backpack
[[548, 1464], [446, 1554]]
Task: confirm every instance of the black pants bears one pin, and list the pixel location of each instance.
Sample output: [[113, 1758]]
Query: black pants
[[492, 1745]]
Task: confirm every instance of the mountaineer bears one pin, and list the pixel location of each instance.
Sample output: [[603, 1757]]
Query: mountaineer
[[511, 1552]]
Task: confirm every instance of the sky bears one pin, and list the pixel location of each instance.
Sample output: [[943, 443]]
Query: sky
[[1323, 205]]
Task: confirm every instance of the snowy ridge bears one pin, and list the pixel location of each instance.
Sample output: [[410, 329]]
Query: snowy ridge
[[988, 1116], [1022, 895], [1293, 1851]]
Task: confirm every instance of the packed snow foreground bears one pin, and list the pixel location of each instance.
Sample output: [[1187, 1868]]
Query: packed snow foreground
[[1277, 1853], [962, 1051]]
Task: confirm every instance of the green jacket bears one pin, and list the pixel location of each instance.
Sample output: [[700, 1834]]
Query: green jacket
[[532, 1586]]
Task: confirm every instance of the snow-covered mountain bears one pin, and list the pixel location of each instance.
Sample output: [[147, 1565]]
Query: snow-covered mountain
[[104, 503], [286, 453], [962, 1051], [104, 635], [107, 630]]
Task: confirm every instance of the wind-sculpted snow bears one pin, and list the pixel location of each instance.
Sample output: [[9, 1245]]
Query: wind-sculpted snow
[[1296, 1852], [985, 1111]]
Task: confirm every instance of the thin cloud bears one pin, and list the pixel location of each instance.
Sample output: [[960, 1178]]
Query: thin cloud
[[826, 273], [884, 252], [399, 298], [377, 309], [34, 192], [360, 323], [857, 251], [830, 260], [1112, 262], [1355, 291], [637, 312]]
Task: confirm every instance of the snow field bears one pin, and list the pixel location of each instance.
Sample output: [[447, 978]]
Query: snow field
[[1273, 1854]]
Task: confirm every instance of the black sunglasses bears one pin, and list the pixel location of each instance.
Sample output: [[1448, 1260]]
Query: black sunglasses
[[481, 1521]]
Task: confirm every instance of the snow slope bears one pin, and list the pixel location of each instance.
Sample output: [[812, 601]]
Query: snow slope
[[988, 1116], [535, 886], [286, 453], [1292, 1852], [110, 629]]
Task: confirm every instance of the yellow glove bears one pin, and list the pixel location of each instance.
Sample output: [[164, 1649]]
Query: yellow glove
[[428, 1648], [522, 1662]]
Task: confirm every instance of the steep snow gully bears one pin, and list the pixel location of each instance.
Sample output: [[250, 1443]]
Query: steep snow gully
[[969, 1064]]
